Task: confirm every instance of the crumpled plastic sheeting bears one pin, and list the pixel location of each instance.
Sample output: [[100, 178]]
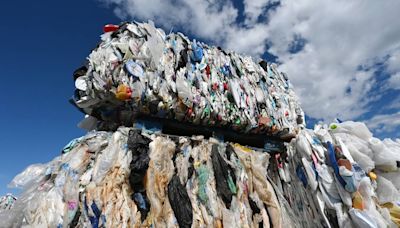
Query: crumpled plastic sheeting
[[137, 69], [90, 186], [340, 176]]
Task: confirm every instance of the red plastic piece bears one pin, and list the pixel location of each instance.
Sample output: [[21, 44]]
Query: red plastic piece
[[110, 28], [226, 87]]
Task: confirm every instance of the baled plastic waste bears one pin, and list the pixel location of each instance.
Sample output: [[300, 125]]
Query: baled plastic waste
[[137, 69], [217, 184]]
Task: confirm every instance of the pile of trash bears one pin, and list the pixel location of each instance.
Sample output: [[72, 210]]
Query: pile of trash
[[7, 201], [123, 173], [139, 70]]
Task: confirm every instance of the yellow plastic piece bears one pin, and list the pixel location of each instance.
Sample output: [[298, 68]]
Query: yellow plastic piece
[[245, 149], [394, 212], [372, 175]]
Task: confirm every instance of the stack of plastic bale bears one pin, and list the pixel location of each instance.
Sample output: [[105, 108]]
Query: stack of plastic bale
[[132, 178], [340, 176], [123, 176], [138, 70], [7, 201]]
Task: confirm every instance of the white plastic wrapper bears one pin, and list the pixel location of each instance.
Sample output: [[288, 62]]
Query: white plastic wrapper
[[386, 191], [30, 174]]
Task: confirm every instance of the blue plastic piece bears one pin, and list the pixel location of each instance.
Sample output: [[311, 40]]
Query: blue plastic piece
[[139, 199], [197, 53], [333, 163], [301, 175]]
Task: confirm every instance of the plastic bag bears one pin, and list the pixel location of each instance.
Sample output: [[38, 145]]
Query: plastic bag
[[303, 145], [180, 202], [139, 146], [224, 177]]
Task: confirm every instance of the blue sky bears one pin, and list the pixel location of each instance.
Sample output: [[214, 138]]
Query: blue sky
[[42, 44], [342, 62]]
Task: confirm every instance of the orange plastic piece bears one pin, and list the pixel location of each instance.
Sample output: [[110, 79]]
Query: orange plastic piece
[[358, 201], [123, 93]]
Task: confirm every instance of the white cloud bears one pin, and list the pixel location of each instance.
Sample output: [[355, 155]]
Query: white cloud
[[393, 63], [394, 104], [384, 123], [253, 9], [340, 37], [394, 81]]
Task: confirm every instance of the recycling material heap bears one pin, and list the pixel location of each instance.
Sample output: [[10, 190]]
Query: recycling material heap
[[138, 167]]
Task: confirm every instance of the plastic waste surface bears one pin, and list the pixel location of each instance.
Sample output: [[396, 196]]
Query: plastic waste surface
[[134, 178], [138, 69]]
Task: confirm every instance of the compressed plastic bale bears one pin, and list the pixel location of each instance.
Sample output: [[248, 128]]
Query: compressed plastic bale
[[191, 82], [386, 191]]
